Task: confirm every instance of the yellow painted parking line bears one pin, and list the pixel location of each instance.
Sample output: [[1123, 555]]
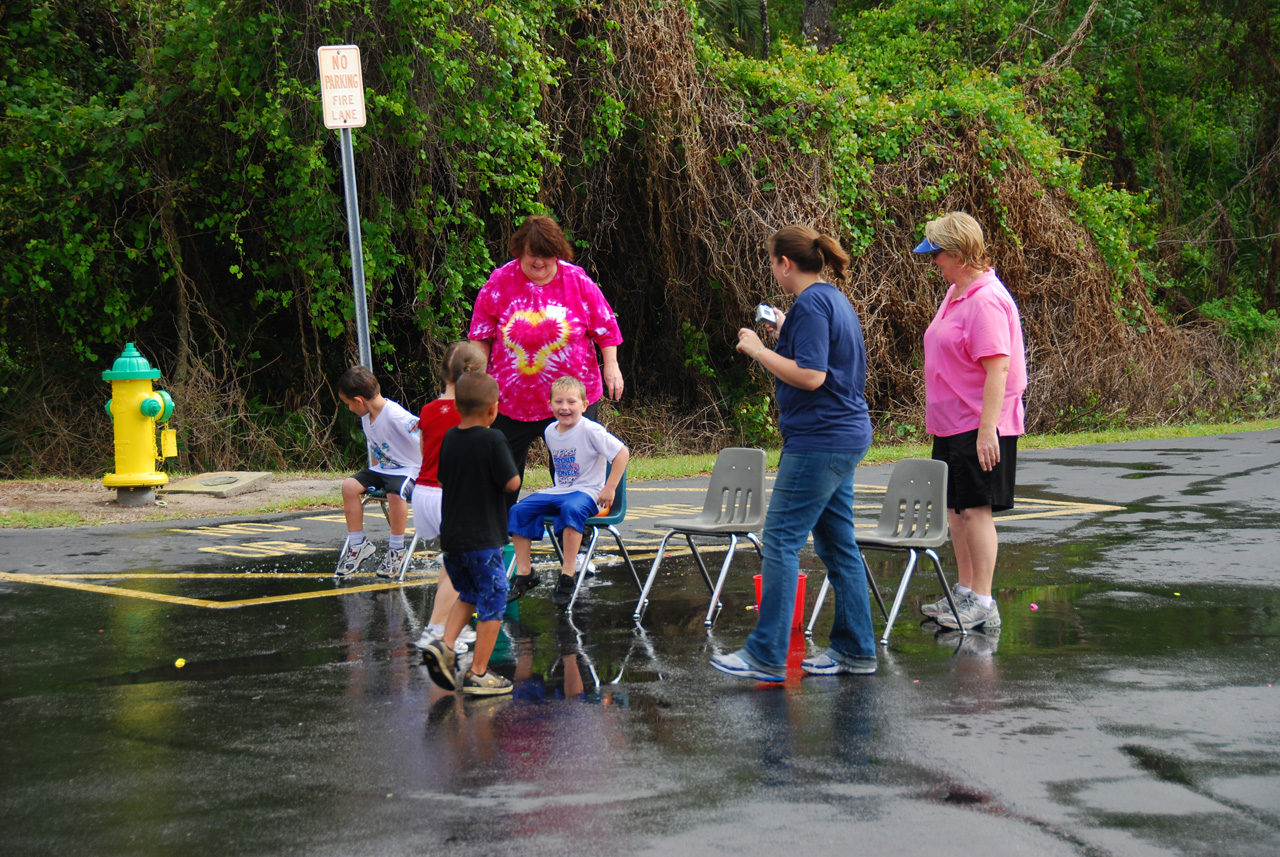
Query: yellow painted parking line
[[63, 583], [214, 575], [228, 530], [261, 550], [1081, 509]]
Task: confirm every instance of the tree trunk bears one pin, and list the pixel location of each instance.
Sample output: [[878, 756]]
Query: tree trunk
[[815, 24]]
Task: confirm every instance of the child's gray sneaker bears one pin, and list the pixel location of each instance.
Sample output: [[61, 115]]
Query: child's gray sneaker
[[464, 639], [972, 615], [824, 664], [489, 684], [441, 664], [391, 562], [353, 557]]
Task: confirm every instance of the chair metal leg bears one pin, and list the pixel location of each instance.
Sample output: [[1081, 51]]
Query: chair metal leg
[[626, 557], [875, 590], [653, 573], [822, 596], [702, 565], [946, 588], [555, 543], [581, 573], [897, 598], [408, 556], [817, 607], [716, 606]]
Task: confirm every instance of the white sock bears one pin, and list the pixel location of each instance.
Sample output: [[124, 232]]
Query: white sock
[[436, 630], [986, 601], [357, 538], [961, 590], [396, 542]]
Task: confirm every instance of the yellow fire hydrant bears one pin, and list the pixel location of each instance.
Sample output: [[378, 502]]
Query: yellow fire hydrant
[[135, 409]]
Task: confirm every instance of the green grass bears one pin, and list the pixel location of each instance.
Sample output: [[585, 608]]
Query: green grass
[[16, 519]]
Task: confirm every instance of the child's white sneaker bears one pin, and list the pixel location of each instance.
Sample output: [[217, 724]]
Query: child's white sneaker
[[392, 561], [353, 557]]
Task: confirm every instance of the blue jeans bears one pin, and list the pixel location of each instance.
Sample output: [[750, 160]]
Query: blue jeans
[[813, 492]]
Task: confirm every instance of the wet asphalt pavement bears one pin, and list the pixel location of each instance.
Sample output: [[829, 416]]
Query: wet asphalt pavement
[[1127, 707]]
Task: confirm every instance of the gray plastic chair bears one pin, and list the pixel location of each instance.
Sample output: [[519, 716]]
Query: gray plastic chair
[[912, 519], [733, 507]]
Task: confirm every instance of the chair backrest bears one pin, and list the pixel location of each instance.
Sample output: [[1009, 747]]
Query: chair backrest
[[915, 503], [736, 492], [618, 510]]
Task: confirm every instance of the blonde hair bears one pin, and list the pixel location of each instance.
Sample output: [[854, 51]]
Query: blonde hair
[[567, 382], [960, 235]]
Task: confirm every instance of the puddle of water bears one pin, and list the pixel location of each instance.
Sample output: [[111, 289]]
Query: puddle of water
[[611, 731]]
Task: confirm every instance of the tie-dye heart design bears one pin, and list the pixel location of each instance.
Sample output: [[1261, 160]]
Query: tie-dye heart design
[[533, 337]]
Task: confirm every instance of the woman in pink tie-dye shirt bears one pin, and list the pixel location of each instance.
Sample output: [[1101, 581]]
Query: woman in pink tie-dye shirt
[[540, 317]]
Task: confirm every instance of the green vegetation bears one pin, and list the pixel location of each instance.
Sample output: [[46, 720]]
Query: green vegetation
[[165, 178], [16, 519]]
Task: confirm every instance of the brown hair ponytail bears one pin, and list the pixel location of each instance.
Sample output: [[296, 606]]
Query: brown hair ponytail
[[809, 249]]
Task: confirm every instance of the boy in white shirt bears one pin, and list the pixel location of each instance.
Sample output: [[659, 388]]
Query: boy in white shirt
[[391, 434], [581, 450]]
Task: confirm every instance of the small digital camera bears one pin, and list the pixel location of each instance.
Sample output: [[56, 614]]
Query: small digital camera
[[766, 314]]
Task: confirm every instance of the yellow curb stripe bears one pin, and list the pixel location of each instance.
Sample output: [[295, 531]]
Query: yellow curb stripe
[[106, 590], [60, 582]]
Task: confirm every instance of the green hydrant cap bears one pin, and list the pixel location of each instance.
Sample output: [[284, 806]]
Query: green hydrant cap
[[130, 366]]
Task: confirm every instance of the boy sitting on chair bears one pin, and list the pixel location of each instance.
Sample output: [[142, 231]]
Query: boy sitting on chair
[[391, 433], [581, 450]]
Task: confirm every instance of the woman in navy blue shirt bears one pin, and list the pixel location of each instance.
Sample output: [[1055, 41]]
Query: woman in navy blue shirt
[[820, 364]]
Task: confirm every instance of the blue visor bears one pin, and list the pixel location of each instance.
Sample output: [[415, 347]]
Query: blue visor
[[926, 246]]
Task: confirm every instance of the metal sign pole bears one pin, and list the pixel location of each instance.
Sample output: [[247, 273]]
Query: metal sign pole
[[342, 103], [357, 251]]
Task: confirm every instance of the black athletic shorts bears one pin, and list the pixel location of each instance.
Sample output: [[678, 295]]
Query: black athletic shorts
[[968, 485], [388, 483]]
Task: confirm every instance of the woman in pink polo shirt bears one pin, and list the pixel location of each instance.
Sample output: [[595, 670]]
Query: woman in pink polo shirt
[[537, 318], [975, 371]]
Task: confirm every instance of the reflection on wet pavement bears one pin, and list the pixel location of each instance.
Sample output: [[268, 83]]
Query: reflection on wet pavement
[[1108, 719]]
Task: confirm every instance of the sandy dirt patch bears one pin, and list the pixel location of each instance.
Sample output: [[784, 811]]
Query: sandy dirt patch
[[95, 504]]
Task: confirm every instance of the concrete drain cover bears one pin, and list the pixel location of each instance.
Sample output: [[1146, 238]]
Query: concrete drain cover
[[227, 483]]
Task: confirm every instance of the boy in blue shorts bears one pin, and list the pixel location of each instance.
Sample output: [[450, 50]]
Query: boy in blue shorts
[[476, 472], [581, 451], [394, 443]]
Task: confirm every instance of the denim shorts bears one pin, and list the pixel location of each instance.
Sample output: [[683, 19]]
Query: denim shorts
[[569, 510], [481, 579]]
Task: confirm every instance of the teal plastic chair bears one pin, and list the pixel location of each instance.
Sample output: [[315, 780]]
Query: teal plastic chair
[[609, 522]]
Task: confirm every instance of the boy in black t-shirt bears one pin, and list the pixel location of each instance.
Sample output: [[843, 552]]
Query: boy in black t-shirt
[[476, 472]]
